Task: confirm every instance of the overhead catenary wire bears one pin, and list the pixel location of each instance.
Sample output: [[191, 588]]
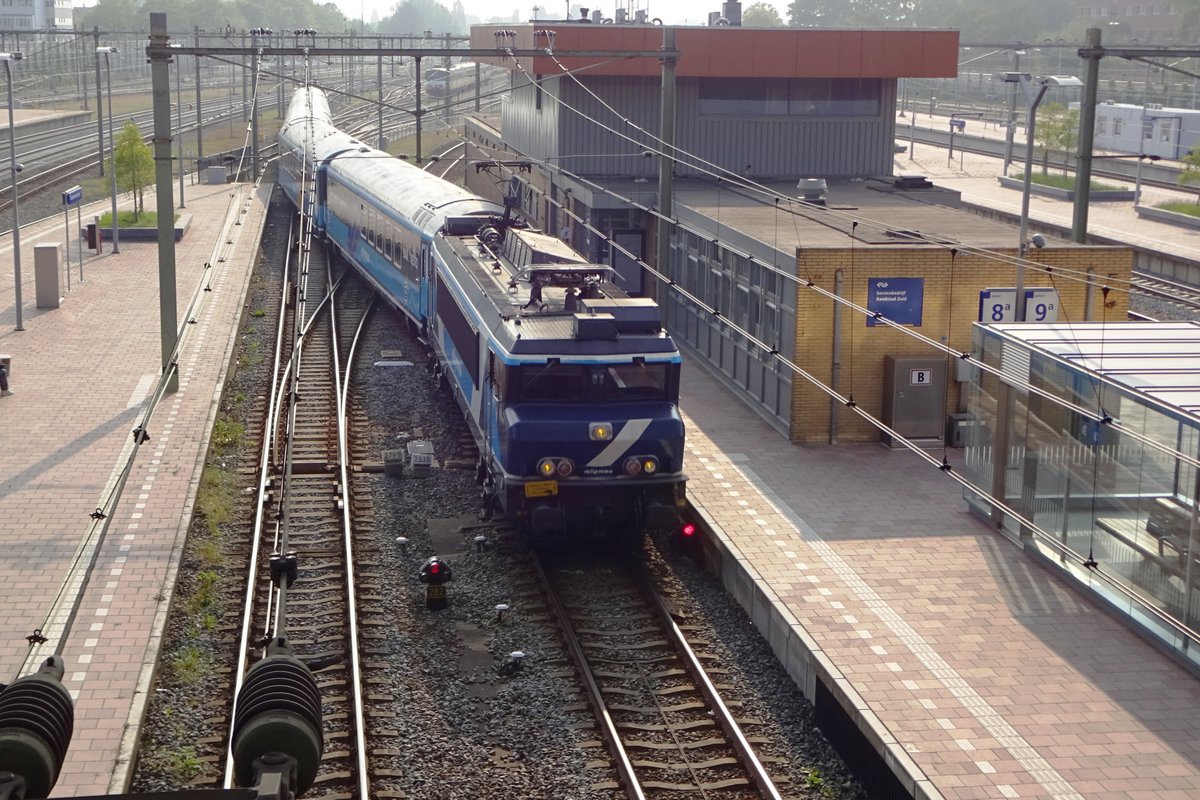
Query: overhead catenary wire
[[880, 319], [1115, 582], [854, 221], [716, 171]]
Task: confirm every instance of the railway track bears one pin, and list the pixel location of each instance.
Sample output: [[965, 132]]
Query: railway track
[[655, 697], [1183, 294], [301, 590]]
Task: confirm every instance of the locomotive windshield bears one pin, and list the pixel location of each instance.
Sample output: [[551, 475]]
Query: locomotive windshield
[[555, 382]]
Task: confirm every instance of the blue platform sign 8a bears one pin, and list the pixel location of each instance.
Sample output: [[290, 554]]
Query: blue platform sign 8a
[[999, 305], [898, 299], [72, 196]]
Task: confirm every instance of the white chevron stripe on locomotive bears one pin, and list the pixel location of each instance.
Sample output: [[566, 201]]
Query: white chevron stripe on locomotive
[[631, 431]]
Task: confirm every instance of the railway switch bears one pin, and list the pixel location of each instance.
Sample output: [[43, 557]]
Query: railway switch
[[284, 566], [435, 574]]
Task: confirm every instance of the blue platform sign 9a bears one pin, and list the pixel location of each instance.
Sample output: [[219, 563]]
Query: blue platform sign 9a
[[72, 196], [898, 299]]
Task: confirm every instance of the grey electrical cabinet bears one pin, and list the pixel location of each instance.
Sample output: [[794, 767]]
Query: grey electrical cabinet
[[914, 398]]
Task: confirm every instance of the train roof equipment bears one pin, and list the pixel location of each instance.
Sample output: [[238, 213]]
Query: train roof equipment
[[541, 297]]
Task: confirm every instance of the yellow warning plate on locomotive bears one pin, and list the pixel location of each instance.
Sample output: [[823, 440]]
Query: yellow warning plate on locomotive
[[541, 489]]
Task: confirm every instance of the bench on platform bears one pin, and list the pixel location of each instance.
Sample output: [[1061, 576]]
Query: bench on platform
[[1170, 521]]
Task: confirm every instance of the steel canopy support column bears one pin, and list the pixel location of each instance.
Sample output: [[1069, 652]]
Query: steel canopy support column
[[99, 99], [199, 116], [666, 164], [379, 86], [254, 105], [419, 112], [1087, 133], [160, 84]]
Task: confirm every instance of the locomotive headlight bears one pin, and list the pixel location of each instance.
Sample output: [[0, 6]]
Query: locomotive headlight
[[649, 465], [633, 466], [599, 431], [546, 468], [565, 468]]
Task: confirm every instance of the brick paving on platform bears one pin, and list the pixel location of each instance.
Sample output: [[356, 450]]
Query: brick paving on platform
[[82, 378], [983, 673]]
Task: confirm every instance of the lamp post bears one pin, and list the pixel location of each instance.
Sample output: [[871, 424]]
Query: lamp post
[[1142, 135], [112, 143], [14, 168], [1034, 99], [179, 117]]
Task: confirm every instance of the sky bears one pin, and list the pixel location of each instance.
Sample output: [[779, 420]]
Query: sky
[[677, 12]]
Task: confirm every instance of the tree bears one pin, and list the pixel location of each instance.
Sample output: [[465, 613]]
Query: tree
[[1056, 129], [133, 165], [762, 15], [1191, 170], [850, 13]]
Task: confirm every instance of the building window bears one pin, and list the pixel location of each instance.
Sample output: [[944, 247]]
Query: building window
[[853, 97]]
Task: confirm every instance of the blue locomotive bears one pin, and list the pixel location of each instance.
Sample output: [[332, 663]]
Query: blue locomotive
[[570, 387]]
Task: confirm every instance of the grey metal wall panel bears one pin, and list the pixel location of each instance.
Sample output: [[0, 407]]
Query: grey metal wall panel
[[758, 147], [527, 128]]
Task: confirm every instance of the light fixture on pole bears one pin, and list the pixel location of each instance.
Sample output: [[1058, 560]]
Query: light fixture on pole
[[1034, 99], [14, 168], [112, 143]]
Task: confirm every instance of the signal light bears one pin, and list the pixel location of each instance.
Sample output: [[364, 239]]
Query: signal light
[[599, 431], [688, 530]]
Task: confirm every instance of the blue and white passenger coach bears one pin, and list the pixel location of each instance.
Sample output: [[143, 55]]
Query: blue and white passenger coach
[[569, 385]]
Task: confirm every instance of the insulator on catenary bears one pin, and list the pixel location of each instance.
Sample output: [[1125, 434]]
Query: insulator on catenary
[[278, 711], [37, 717]]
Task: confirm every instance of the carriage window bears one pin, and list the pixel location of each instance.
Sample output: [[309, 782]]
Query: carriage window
[[638, 381], [551, 382]]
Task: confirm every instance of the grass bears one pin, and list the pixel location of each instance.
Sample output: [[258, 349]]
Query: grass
[[146, 219], [1064, 182], [250, 356], [1181, 207], [181, 766], [431, 144], [215, 498], [191, 665], [226, 433]]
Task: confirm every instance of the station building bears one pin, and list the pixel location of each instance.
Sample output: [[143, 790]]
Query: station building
[[750, 274]]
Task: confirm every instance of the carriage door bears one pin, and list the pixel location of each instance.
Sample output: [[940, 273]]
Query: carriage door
[[429, 306]]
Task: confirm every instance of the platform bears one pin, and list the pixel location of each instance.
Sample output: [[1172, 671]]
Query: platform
[[81, 378], [976, 672]]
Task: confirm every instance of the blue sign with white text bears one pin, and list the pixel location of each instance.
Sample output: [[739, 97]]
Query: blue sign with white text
[[72, 196], [898, 299]]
